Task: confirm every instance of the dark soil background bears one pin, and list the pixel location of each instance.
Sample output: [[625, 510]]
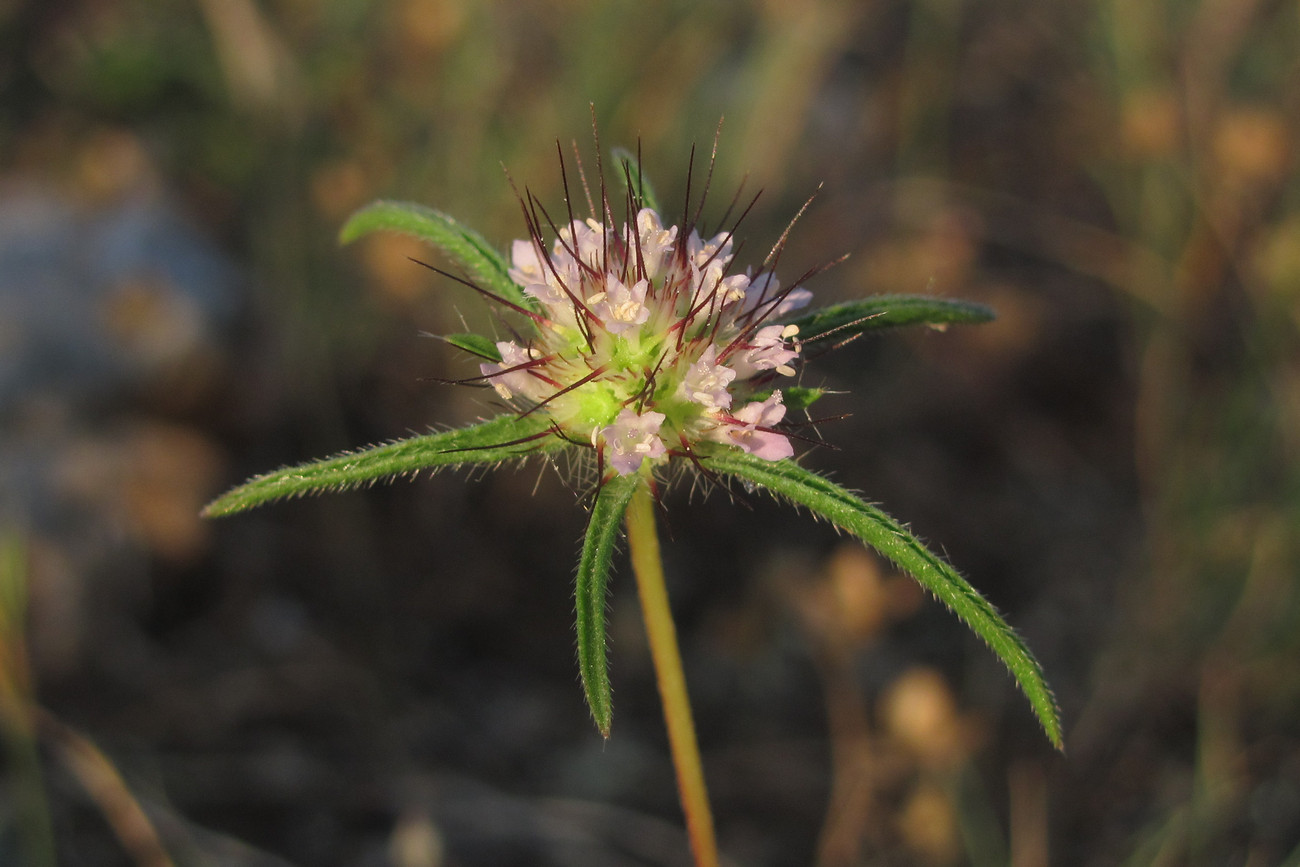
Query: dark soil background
[[387, 677]]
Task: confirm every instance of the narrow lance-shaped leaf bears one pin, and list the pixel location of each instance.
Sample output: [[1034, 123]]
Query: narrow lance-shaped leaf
[[465, 246], [500, 439], [890, 538], [629, 171], [589, 594], [843, 321]]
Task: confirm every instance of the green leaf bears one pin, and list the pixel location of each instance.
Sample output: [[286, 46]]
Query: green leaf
[[629, 171], [891, 539], [489, 442], [844, 321], [593, 575], [465, 246], [475, 344]]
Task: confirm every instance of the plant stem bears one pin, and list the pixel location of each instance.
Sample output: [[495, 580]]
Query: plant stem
[[643, 542]]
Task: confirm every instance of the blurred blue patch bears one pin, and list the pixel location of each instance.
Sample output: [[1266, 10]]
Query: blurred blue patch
[[92, 302]]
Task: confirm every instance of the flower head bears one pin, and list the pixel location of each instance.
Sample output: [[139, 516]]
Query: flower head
[[644, 338]]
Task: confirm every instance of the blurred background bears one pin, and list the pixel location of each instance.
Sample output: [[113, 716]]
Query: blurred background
[[387, 677]]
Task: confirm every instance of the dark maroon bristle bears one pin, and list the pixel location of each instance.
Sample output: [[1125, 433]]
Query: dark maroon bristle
[[775, 252], [689, 453], [564, 182], [838, 328], [468, 383], [559, 432], [739, 342], [528, 366], [635, 231], [600, 463], [600, 169], [536, 317], [735, 227], [730, 235], [570, 248], [763, 427], [786, 431], [686, 198], [708, 181], [640, 175], [582, 179], [689, 318], [647, 389], [591, 207], [759, 314], [813, 422], [629, 220], [599, 371], [518, 442], [735, 200], [584, 314]]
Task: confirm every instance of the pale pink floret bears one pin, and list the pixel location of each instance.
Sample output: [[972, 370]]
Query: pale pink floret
[[536, 274], [504, 379], [655, 243], [560, 275], [586, 240], [717, 286], [716, 249], [772, 347], [795, 299], [706, 381], [632, 439], [554, 280], [620, 307], [549, 294], [527, 262], [746, 429]]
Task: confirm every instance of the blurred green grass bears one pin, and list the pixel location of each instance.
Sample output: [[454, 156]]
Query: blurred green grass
[[1114, 461]]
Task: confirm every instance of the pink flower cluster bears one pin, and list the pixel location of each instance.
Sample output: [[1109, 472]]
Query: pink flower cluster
[[647, 345]]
